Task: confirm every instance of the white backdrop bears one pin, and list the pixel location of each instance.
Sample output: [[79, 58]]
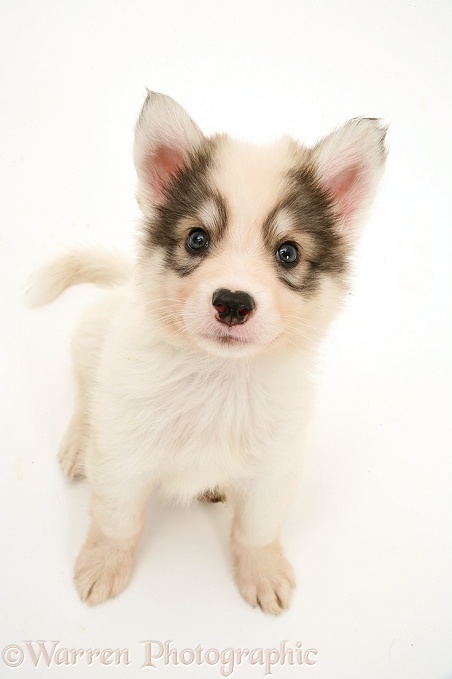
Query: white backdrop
[[369, 533]]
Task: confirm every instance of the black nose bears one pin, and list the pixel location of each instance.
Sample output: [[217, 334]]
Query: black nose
[[232, 307]]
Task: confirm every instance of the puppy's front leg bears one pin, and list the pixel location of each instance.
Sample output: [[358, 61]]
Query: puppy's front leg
[[263, 574], [104, 565]]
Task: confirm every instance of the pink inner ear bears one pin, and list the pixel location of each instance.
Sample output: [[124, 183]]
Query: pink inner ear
[[168, 160], [343, 182], [161, 166], [348, 191]]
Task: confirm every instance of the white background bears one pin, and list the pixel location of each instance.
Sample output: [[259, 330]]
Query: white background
[[369, 533]]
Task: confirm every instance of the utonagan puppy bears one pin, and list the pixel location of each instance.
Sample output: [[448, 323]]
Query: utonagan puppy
[[193, 371]]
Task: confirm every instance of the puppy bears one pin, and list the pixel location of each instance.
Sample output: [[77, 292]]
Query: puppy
[[193, 371]]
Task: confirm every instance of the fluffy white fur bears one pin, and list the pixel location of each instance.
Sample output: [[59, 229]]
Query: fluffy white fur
[[166, 401]]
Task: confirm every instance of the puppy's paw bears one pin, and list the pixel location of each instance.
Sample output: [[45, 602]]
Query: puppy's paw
[[103, 569], [72, 452], [264, 576]]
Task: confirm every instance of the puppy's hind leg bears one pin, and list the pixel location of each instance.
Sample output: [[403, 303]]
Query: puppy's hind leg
[[72, 449], [85, 352]]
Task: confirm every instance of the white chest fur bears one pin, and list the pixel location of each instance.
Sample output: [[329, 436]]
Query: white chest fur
[[190, 421]]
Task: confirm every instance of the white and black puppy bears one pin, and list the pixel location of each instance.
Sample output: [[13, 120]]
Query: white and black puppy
[[193, 371]]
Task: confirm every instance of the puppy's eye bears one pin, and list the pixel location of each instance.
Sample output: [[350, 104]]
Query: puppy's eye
[[287, 253], [197, 241]]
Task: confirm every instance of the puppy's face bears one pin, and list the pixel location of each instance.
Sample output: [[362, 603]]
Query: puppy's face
[[245, 248]]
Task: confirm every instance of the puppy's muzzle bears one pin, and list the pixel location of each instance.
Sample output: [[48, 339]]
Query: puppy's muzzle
[[232, 307]]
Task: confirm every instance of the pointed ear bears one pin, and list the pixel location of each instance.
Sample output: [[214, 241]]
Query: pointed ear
[[165, 137], [349, 163]]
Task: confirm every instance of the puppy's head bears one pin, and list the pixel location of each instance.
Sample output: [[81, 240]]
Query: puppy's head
[[245, 248]]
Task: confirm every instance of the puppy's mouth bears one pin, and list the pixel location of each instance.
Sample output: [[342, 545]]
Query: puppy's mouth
[[237, 341], [224, 339]]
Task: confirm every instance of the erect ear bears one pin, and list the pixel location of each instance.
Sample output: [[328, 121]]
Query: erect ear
[[165, 136], [349, 163]]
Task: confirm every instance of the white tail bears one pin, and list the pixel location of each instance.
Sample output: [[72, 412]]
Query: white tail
[[77, 266]]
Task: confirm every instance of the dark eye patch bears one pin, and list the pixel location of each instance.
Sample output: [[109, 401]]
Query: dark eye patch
[[307, 218], [182, 212]]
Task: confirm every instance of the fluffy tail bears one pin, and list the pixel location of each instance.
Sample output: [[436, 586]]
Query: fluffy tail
[[78, 266]]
